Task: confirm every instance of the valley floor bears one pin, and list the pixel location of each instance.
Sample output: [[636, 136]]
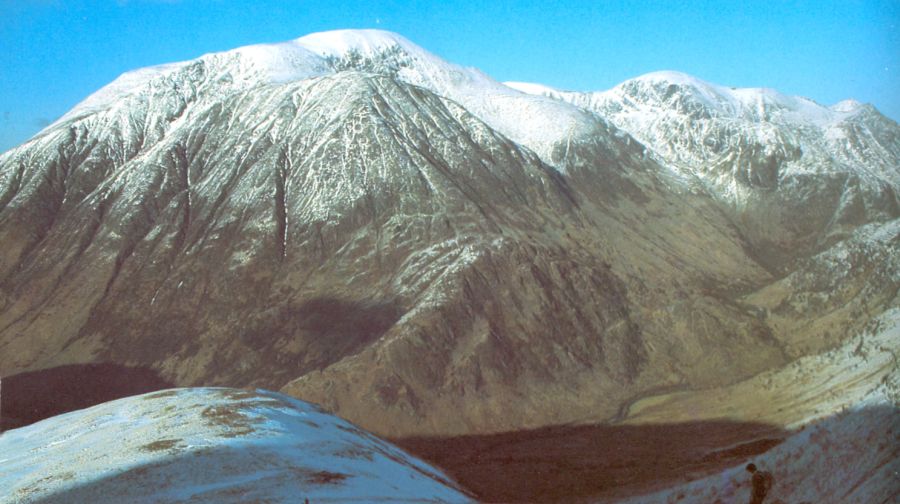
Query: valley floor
[[827, 426]]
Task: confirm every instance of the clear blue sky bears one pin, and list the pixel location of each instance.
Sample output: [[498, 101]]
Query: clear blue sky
[[53, 53]]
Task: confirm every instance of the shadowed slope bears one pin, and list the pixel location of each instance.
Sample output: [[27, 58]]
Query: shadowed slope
[[36, 395], [848, 457]]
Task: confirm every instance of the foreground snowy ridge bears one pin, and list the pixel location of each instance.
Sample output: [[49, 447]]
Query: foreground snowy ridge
[[209, 445]]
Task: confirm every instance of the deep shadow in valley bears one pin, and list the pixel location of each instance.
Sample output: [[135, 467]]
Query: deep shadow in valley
[[29, 397], [573, 463]]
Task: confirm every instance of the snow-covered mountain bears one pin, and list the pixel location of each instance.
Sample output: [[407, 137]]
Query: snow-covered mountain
[[425, 251], [693, 123], [329, 215], [533, 121], [210, 445], [796, 175]]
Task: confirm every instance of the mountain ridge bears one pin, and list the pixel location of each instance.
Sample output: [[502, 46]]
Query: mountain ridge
[[730, 98], [758, 152]]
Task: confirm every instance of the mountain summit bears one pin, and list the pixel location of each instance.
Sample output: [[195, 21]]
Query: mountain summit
[[535, 121]]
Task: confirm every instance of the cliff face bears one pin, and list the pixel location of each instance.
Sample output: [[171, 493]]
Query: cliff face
[[407, 242]]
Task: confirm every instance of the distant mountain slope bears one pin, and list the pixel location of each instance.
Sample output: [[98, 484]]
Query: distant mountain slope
[[796, 176], [209, 445]]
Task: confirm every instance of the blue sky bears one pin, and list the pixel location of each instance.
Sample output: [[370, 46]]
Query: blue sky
[[56, 52]]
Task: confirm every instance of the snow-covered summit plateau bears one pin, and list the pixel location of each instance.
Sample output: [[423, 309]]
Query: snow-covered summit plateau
[[535, 121]]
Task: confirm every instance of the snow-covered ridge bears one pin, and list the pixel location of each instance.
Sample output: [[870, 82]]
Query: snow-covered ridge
[[257, 64], [124, 85], [651, 91], [749, 103], [697, 125], [769, 157], [536, 122], [538, 117], [209, 445]]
